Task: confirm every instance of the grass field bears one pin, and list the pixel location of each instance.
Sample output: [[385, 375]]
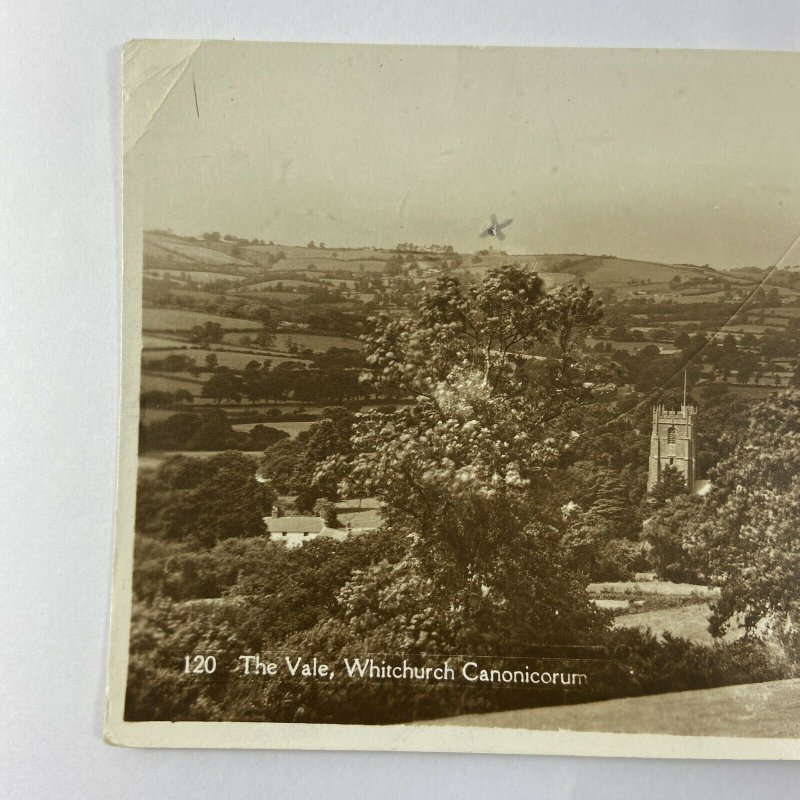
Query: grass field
[[295, 252], [756, 392], [168, 383], [688, 622], [363, 513], [195, 293], [196, 252], [322, 263], [770, 322], [631, 347], [279, 284], [161, 341], [225, 358], [786, 311], [684, 299], [300, 251], [148, 461], [271, 295], [663, 588], [736, 327], [153, 253], [344, 283], [176, 319], [193, 276], [149, 415], [315, 342], [766, 710]]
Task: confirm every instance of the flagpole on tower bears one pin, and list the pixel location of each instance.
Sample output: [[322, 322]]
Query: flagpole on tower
[[684, 388]]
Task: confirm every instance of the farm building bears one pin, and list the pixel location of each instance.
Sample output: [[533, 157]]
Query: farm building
[[355, 517], [296, 530]]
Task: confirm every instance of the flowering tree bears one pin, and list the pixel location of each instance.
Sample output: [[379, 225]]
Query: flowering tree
[[464, 469]]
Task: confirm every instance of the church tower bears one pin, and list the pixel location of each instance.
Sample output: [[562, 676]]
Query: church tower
[[673, 444]]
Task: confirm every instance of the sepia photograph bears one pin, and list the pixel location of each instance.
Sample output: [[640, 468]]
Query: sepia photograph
[[460, 400]]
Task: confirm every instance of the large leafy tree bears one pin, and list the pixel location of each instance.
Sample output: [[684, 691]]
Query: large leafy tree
[[752, 515], [601, 521], [464, 470], [291, 466]]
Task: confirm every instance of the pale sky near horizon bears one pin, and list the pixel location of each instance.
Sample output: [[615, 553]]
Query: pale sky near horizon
[[676, 156]]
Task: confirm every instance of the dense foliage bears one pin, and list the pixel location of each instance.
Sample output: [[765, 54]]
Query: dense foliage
[[751, 530], [203, 500]]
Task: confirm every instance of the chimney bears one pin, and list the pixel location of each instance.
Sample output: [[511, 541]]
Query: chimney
[[276, 512]]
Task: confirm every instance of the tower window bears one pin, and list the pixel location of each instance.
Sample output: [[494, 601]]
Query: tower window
[[671, 461], [671, 435]]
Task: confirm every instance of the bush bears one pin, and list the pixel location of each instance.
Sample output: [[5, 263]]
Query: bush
[[326, 510], [619, 560]]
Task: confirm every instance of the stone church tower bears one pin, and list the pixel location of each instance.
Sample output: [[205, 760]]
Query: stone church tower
[[673, 443]]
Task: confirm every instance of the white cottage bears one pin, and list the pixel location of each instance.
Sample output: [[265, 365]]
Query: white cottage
[[295, 530]]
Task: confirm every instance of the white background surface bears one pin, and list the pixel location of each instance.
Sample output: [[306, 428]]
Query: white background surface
[[59, 312]]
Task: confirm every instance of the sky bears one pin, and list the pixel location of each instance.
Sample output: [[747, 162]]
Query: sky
[[674, 156]]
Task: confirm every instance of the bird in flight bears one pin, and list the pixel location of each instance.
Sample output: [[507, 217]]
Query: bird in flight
[[496, 228]]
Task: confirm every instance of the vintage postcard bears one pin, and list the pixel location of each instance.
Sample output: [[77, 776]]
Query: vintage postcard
[[460, 401]]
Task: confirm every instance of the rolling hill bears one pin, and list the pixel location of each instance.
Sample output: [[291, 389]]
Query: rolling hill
[[684, 282]]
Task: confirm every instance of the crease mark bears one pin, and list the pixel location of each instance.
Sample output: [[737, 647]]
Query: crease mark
[[128, 94], [194, 89]]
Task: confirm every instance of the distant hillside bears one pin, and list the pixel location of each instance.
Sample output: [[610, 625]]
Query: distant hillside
[[626, 277], [606, 271]]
